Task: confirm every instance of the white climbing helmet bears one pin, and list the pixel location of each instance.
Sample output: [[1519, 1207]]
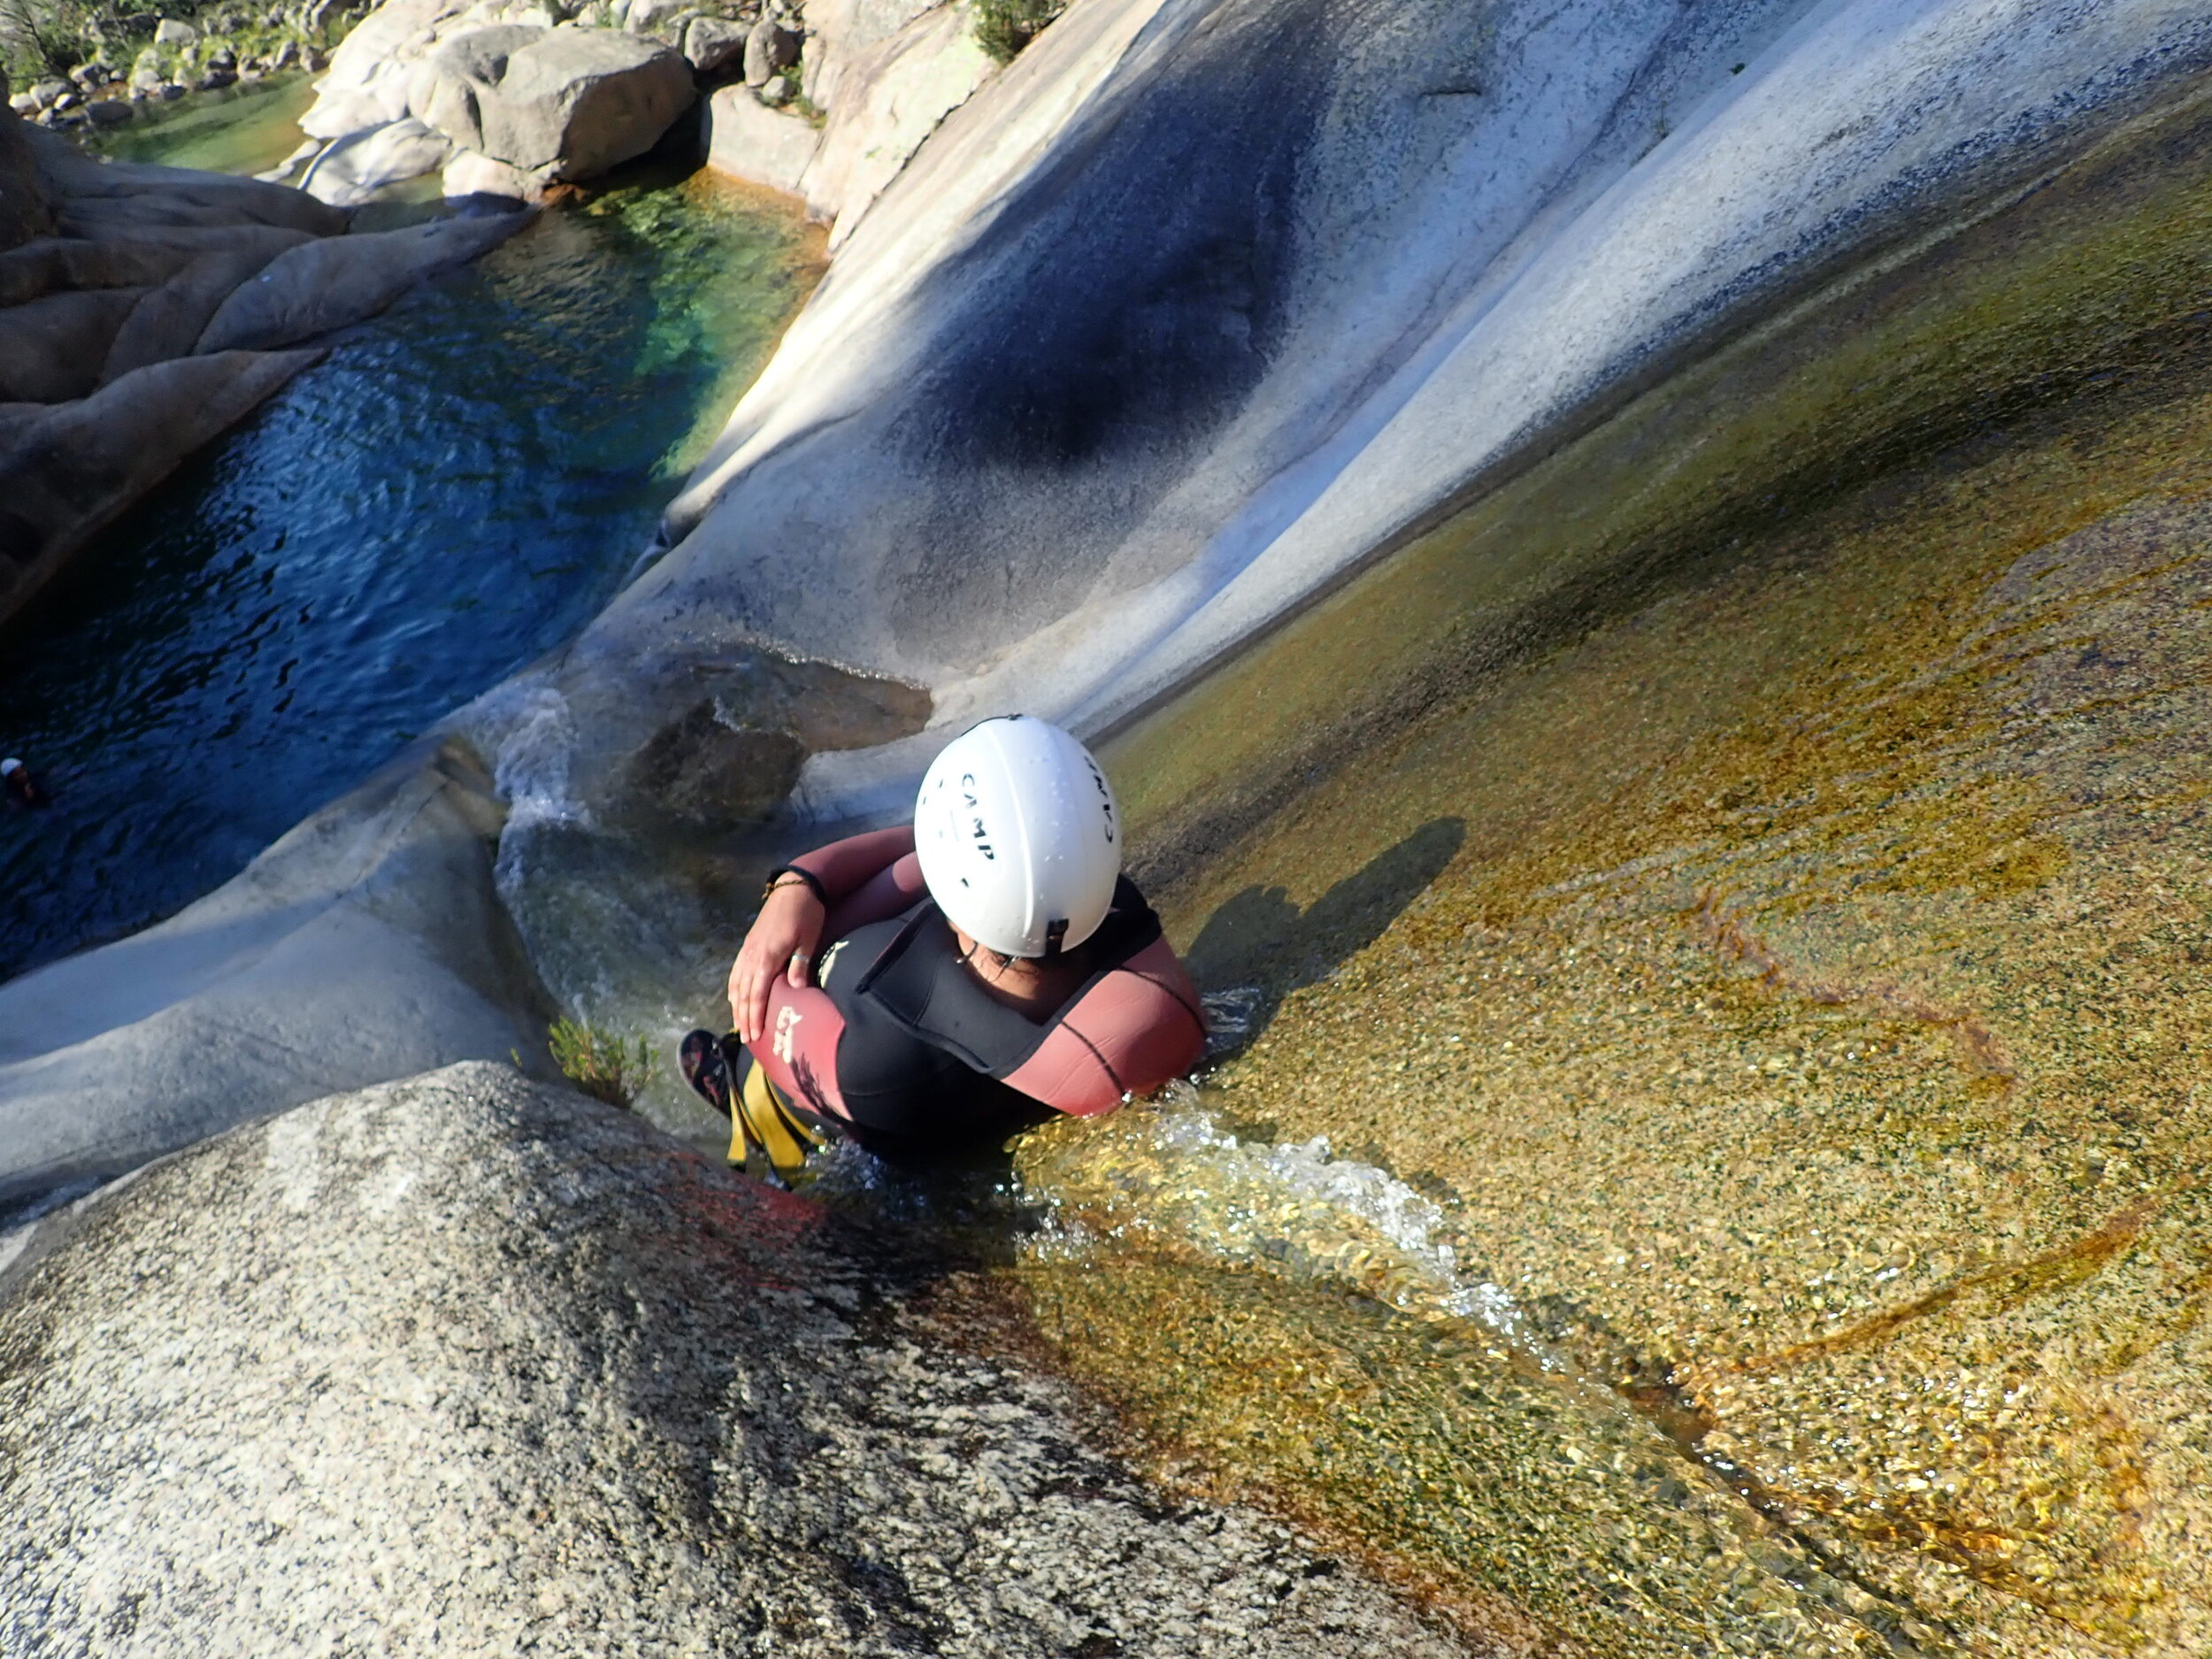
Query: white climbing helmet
[[1018, 837]]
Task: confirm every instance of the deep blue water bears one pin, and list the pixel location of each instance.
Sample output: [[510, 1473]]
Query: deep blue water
[[453, 491]]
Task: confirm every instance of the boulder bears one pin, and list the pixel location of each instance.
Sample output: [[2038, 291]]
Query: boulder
[[247, 1001], [655, 17], [109, 111], [769, 49], [323, 285], [352, 169], [51, 348], [576, 101], [840, 30], [710, 43], [447, 89], [174, 32], [476, 1365], [757, 144], [73, 468]]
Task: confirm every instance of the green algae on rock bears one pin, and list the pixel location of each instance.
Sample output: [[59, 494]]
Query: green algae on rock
[[1807, 1035]]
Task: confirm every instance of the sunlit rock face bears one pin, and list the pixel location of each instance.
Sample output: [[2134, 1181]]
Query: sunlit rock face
[[1198, 305], [469, 1365]]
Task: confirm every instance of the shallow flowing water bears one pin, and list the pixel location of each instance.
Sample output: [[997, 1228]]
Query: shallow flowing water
[[453, 493]]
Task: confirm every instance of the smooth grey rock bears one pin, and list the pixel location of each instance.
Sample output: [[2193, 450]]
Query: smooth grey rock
[[366, 944], [98, 199], [51, 348], [469, 174], [168, 321], [769, 47], [840, 30], [328, 284], [710, 43], [174, 32], [38, 267], [887, 100], [109, 112], [574, 101], [66, 473], [757, 144], [470, 1366], [352, 169]]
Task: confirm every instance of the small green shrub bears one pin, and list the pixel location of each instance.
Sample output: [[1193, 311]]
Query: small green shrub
[[1002, 28], [602, 1064]]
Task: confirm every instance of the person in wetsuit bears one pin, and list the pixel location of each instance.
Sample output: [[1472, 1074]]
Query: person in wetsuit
[[919, 988]]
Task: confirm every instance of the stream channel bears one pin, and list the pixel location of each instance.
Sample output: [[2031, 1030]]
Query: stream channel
[[455, 491]]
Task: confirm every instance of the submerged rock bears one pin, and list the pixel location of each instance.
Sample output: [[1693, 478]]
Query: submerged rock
[[470, 1363]]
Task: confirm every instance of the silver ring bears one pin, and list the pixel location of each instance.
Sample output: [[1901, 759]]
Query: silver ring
[[801, 956]]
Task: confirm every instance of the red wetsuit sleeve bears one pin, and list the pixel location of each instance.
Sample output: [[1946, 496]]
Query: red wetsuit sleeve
[[843, 867], [799, 1049], [891, 891], [1138, 1028]]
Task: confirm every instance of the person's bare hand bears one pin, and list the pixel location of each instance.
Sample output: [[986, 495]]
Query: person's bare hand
[[781, 941]]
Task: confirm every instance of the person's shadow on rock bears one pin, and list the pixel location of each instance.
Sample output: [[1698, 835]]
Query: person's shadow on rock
[[1258, 948]]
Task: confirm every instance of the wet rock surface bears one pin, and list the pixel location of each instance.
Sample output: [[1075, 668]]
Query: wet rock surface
[[467, 1364]]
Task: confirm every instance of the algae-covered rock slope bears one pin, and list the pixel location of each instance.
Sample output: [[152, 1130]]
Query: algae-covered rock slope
[[1734, 900], [1200, 303], [466, 1366]]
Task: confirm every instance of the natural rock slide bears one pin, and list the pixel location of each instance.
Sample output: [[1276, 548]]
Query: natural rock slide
[[1733, 468]]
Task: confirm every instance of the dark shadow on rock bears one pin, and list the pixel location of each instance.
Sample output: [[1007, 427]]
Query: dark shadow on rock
[[1260, 941]]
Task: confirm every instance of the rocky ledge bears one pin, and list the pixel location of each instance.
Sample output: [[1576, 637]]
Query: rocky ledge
[[144, 309], [468, 1364]]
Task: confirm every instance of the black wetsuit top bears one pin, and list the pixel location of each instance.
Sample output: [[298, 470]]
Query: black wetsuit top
[[925, 1045]]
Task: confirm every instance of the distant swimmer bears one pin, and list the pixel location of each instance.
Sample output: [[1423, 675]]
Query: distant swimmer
[[985, 967], [22, 788]]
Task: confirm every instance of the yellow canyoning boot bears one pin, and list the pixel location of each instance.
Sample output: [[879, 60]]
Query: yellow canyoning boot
[[762, 1119]]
